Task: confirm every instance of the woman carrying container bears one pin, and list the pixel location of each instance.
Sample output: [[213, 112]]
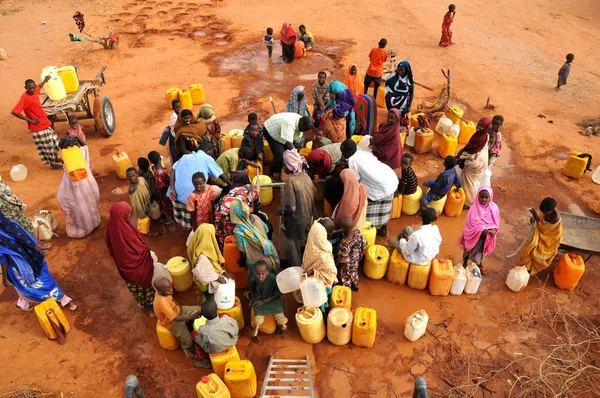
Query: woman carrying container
[[206, 258], [473, 161], [318, 259], [25, 267], [251, 238], [340, 119], [400, 91], [131, 254], [79, 200], [481, 227]]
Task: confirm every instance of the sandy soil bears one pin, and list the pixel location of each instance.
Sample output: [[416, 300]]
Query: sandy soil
[[508, 51]]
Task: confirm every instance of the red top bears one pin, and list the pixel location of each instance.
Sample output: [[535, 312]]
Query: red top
[[378, 56], [30, 104]]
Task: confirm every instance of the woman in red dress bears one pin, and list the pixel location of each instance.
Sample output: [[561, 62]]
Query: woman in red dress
[[446, 39]]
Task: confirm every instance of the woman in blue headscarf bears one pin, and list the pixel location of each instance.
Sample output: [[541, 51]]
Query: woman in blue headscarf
[[340, 119], [25, 267], [400, 90]]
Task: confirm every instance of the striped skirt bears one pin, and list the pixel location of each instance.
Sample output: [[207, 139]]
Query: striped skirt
[[182, 216], [378, 212], [46, 142]]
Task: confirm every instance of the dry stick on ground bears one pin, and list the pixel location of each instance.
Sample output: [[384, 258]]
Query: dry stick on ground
[[445, 95]]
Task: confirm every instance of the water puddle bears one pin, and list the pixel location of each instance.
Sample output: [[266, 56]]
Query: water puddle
[[220, 35], [221, 42], [560, 155], [574, 209], [199, 33]]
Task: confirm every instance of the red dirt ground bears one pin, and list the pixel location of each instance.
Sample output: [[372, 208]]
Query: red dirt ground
[[509, 51]]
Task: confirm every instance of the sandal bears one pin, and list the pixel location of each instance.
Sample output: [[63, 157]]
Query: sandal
[[28, 309], [55, 166], [71, 306]]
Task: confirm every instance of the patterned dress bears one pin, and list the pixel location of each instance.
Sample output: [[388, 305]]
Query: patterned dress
[[13, 208], [349, 255], [223, 225], [162, 185]]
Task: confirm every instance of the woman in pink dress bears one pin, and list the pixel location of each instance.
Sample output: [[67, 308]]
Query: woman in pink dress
[[446, 39]]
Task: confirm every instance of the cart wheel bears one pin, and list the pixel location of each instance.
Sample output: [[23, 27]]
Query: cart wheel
[[104, 116]]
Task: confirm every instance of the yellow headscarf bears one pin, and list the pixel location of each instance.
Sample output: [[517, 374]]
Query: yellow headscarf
[[204, 242], [206, 113], [318, 255]]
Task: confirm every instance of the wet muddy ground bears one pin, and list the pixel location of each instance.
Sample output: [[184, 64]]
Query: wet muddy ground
[[219, 44]]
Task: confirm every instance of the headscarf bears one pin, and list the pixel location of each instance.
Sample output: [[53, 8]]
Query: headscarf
[[354, 82], [127, 247], [247, 233], [195, 130], [293, 161], [353, 200], [479, 219], [336, 87], [239, 180], [206, 113], [387, 141], [204, 242], [287, 35], [320, 161], [296, 105], [318, 255], [8, 196], [402, 89], [479, 139], [13, 237]]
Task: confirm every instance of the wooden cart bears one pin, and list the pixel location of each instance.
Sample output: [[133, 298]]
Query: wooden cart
[[581, 234], [86, 103]]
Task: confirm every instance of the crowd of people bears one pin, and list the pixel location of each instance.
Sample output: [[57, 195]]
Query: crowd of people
[[209, 193]]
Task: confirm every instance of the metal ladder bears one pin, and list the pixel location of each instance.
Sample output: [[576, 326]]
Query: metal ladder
[[287, 378]]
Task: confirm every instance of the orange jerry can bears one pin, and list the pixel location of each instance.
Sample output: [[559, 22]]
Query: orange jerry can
[[236, 313], [268, 326], [232, 258], [396, 207], [52, 320], [568, 271], [365, 327], [424, 141], [455, 202], [440, 279], [398, 269]]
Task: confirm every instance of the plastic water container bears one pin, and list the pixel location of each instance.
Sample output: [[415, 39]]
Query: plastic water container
[[418, 276], [339, 326], [448, 144], [517, 278], [398, 269], [198, 323], [459, 280], [309, 144], [197, 92], [185, 96], [568, 271], [166, 162], [313, 292], [55, 89], [412, 203], [240, 379], [443, 125], [416, 325], [414, 119], [486, 178], [438, 205], [576, 164], [356, 138], [440, 280], [380, 100], [424, 141], [226, 140], [410, 140], [341, 296], [473, 278], [364, 327], [269, 325], [18, 172], [211, 386], [304, 152], [171, 95], [166, 338], [266, 194], [596, 175], [268, 154], [253, 171], [455, 202], [232, 255], [180, 271], [455, 113], [236, 313], [289, 279], [47, 311], [143, 225], [74, 163], [219, 360], [467, 129], [122, 163], [225, 295], [454, 131], [396, 207], [48, 71], [68, 75], [310, 324], [298, 297], [370, 233], [237, 136], [376, 261]]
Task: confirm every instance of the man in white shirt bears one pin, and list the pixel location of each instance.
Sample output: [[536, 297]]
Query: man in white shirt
[[423, 244], [381, 182], [282, 131]]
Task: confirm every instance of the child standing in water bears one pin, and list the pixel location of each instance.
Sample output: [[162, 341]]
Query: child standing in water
[[200, 201], [161, 175], [269, 41], [563, 73], [351, 250]]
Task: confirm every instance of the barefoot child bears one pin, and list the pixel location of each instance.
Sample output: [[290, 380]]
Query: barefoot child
[[563, 73], [351, 250], [408, 184], [443, 183], [200, 201], [139, 194], [266, 299], [269, 41], [161, 175], [174, 317], [495, 140]]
